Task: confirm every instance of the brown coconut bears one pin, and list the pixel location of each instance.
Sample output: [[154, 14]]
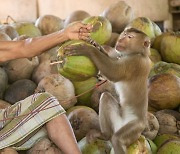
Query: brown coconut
[[3, 82], [4, 104], [164, 91], [8, 150], [77, 15], [119, 14], [49, 24], [19, 90], [82, 119], [20, 68], [95, 97], [9, 30], [167, 123], [152, 128], [60, 87], [44, 146]]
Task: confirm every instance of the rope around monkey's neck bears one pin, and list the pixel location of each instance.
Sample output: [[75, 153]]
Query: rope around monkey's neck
[[100, 83]]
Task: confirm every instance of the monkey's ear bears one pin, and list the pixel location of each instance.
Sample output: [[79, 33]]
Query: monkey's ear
[[147, 44]]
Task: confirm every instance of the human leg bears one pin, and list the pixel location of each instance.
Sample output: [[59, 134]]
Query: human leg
[[60, 132]]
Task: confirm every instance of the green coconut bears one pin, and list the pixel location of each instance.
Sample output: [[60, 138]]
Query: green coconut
[[170, 48], [82, 87], [155, 55], [170, 147], [152, 146], [160, 139], [145, 25], [138, 147], [164, 91], [27, 28], [102, 28], [157, 41], [96, 147], [164, 67], [75, 68]]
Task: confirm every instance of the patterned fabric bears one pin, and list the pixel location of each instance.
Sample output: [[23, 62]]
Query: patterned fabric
[[25, 117]]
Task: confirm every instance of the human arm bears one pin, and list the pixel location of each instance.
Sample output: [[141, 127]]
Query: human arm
[[34, 46]]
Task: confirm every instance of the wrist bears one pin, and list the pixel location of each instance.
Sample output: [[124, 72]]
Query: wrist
[[64, 34]]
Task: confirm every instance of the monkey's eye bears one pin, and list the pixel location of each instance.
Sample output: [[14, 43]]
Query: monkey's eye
[[130, 36]]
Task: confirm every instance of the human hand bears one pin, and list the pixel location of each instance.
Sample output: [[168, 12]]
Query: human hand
[[78, 49], [78, 31]]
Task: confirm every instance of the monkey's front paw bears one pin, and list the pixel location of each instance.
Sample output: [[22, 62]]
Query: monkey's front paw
[[92, 135]]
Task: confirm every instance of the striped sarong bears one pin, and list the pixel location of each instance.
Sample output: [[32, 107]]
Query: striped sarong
[[22, 119]]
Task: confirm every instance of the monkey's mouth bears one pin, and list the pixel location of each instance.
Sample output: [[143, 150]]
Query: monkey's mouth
[[119, 48]]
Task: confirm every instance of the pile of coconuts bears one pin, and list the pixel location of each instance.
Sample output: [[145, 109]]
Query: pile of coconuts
[[74, 81]]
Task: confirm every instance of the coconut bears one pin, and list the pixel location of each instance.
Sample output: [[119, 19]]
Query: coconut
[[82, 119], [60, 87], [152, 146], [9, 30], [4, 37], [164, 67], [157, 42], [120, 14], [49, 24], [44, 146], [19, 90], [77, 15], [72, 67], [138, 147], [96, 147], [161, 139], [145, 25], [27, 28], [164, 91], [4, 104], [106, 87], [84, 87], [8, 150], [20, 68], [167, 123], [170, 48], [152, 129], [154, 55], [102, 28], [3, 82], [170, 147]]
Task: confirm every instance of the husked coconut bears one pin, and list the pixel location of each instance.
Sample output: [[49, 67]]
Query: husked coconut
[[49, 24], [119, 14], [20, 68], [8, 150], [60, 87], [4, 104], [164, 91], [9, 30], [82, 119], [19, 90], [77, 15], [44, 146], [3, 82]]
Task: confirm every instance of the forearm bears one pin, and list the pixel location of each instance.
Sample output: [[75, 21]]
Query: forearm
[[30, 47]]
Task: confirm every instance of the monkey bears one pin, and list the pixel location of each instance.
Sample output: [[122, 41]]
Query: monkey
[[122, 121]]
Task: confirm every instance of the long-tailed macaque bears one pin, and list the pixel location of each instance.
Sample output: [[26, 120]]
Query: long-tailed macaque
[[122, 121]]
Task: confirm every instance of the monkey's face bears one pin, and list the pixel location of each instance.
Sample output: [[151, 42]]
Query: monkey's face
[[123, 42]]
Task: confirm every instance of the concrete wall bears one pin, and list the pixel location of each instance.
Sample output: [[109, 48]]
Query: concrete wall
[[29, 10]]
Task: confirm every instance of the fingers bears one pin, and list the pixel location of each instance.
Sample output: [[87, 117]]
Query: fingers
[[84, 36]]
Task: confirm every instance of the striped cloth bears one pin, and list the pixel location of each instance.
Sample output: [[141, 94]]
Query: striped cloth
[[25, 118]]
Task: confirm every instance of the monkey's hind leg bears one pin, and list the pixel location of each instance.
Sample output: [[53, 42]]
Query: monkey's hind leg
[[108, 107], [126, 135]]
